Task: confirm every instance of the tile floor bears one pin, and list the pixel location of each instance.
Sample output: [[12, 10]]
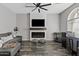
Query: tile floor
[[38, 49]]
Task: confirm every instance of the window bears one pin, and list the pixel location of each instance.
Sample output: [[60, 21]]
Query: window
[[73, 22]]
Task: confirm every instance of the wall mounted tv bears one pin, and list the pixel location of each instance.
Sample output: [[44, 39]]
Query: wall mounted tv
[[38, 22]]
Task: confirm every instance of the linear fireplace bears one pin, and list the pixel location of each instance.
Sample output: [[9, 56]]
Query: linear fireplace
[[38, 34]]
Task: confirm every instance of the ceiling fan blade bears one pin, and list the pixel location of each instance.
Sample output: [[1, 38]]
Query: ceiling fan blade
[[46, 5], [34, 9], [34, 4], [43, 8], [39, 10], [38, 4]]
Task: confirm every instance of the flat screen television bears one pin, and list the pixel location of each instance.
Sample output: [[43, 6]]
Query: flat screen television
[[38, 22]]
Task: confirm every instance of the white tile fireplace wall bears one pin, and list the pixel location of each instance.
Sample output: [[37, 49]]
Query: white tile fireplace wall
[[23, 22], [37, 16]]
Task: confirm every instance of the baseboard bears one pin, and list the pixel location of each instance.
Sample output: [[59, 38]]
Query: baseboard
[[25, 39]]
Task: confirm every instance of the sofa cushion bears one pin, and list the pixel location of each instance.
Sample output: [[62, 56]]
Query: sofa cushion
[[10, 37], [10, 45]]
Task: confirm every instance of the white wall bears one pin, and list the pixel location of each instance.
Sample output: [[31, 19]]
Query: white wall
[[22, 22], [7, 19], [52, 25]]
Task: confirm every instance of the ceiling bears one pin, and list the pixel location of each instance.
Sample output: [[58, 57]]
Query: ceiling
[[19, 8]]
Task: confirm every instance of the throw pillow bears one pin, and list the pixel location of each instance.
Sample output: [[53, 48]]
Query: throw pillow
[[1, 43], [5, 39], [10, 37], [13, 34]]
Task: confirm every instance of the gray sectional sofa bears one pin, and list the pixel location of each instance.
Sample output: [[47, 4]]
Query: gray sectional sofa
[[10, 51]]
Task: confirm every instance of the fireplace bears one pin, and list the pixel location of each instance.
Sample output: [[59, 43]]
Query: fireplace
[[38, 34], [37, 29]]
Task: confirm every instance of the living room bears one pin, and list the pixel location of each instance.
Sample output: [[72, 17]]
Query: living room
[[38, 29]]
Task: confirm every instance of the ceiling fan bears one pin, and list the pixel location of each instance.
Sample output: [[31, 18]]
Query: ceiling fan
[[39, 6]]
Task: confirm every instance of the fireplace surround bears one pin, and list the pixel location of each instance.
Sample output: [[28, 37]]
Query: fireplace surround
[[37, 29]]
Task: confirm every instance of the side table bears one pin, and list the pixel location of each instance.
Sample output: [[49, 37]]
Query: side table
[[19, 39]]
